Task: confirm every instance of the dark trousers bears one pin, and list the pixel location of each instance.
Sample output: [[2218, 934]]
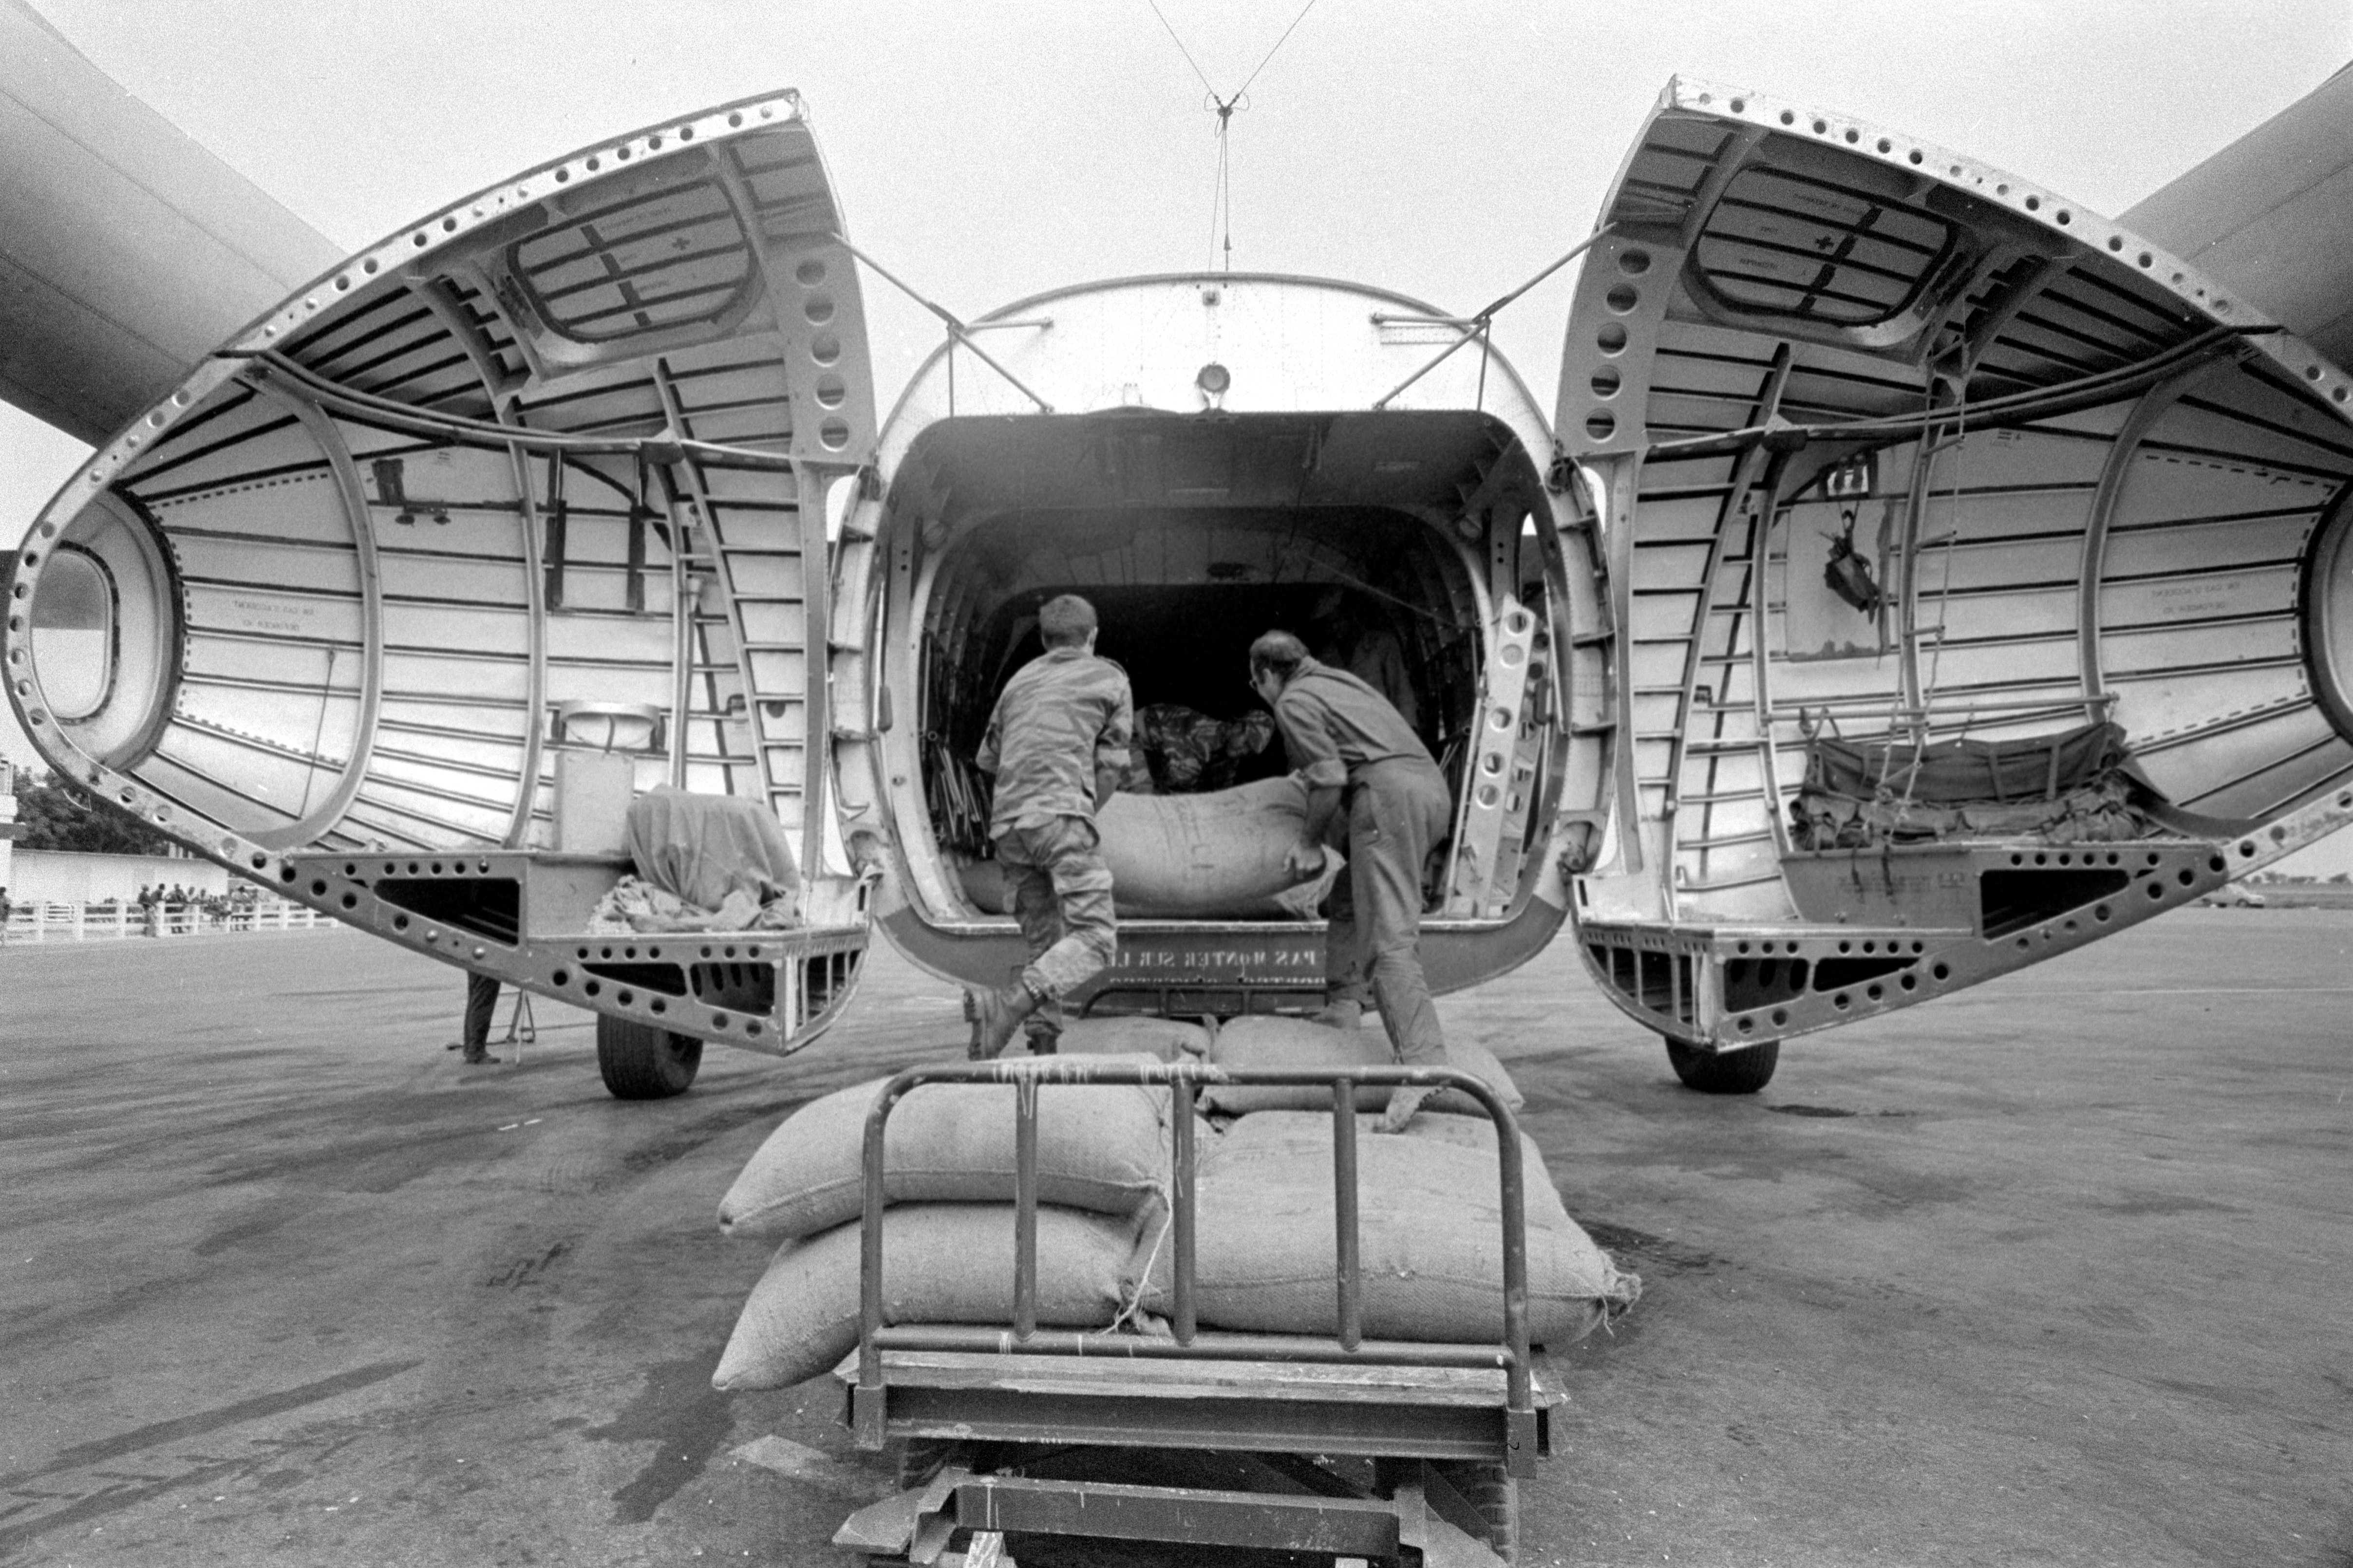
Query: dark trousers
[[1394, 811], [481, 1002]]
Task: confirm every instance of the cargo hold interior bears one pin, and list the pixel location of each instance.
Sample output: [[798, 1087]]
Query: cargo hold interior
[[1191, 535]]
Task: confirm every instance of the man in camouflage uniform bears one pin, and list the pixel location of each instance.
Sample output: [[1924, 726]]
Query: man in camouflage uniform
[[1373, 787], [1058, 744]]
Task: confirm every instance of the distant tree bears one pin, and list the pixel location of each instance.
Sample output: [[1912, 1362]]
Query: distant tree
[[2342, 876], [56, 815]]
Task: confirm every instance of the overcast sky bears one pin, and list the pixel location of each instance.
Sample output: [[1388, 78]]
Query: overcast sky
[[984, 152]]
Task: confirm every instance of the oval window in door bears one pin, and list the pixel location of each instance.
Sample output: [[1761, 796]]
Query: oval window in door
[[2328, 613], [73, 633]]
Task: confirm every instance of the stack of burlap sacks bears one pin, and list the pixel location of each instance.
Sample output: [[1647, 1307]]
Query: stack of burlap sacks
[[1428, 1222]]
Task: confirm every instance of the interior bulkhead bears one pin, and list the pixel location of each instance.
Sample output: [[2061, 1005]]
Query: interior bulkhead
[[1191, 537]]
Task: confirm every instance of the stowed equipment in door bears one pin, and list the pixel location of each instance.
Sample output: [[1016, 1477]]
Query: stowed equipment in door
[[1971, 564]]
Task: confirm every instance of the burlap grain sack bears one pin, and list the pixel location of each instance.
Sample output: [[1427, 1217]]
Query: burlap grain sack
[[1166, 1039], [941, 1263], [1268, 1042], [1101, 1147], [1430, 1238], [1177, 856]]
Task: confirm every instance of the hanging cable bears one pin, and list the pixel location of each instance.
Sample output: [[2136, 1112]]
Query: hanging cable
[[957, 331], [1221, 195], [1277, 44], [1180, 47], [1474, 328]]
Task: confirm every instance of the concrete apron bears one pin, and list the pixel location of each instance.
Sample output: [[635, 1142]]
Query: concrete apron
[[2047, 1272]]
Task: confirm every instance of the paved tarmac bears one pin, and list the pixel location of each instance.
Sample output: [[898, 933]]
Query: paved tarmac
[[2055, 1271]]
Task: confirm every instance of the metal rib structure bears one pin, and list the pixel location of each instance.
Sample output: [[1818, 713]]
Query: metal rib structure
[[525, 480], [1871, 467], [1891, 447]]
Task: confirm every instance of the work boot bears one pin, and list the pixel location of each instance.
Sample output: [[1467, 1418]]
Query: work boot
[[995, 1015], [1404, 1101], [1342, 1016], [477, 1057]]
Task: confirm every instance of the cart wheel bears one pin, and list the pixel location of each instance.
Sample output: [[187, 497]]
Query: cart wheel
[[922, 1458], [640, 1061], [1492, 1490], [1744, 1071]]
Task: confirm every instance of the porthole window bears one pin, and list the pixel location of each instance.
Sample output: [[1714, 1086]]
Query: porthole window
[[73, 632], [2328, 614]]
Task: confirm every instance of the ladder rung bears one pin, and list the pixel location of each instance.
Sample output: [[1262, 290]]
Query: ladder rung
[[1759, 836], [1724, 887]]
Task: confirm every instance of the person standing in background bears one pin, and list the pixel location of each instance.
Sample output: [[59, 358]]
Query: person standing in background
[[1366, 651], [473, 1045]]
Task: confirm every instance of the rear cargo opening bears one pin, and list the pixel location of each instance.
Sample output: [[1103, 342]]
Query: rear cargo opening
[[1366, 535]]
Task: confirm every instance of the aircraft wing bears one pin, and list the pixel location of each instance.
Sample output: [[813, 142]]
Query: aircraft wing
[[2272, 215], [129, 251]]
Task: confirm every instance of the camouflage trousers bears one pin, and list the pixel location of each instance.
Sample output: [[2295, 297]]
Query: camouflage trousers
[[1061, 897]]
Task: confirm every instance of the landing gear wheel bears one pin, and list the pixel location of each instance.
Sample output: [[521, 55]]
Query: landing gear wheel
[[1744, 1071], [1492, 1491], [921, 1459], [642, 1062]]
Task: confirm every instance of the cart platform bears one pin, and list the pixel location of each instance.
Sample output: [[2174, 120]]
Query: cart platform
[[1334, 1446]]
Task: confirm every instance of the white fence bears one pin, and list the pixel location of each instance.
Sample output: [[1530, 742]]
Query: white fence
[[38, 922]]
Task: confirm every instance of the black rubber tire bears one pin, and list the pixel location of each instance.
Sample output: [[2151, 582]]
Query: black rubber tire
[[640, 1061], [1744, 1071], [1494, 1492], [920, 1460]]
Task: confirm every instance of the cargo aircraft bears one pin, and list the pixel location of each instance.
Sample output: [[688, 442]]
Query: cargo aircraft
[[1914, 575]]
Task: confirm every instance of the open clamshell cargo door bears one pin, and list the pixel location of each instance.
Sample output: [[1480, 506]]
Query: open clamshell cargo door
[[1206, 456], [392, 604], [1914, 478]]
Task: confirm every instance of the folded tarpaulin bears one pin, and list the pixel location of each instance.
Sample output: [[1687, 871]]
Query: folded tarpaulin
[[701, 847], [1958, 772]]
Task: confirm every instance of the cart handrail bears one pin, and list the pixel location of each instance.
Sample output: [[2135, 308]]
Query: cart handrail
[[1183, 1079]]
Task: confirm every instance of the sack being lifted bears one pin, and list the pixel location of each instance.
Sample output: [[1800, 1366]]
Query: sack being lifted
[[1194, 857]]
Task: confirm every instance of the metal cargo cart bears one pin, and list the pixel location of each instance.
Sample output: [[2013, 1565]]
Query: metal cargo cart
[[1334, 1447]]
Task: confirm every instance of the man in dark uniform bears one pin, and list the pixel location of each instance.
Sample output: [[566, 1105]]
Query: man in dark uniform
[[1058, 744], [1368, 651], [1373, 788], [481, 1004]]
